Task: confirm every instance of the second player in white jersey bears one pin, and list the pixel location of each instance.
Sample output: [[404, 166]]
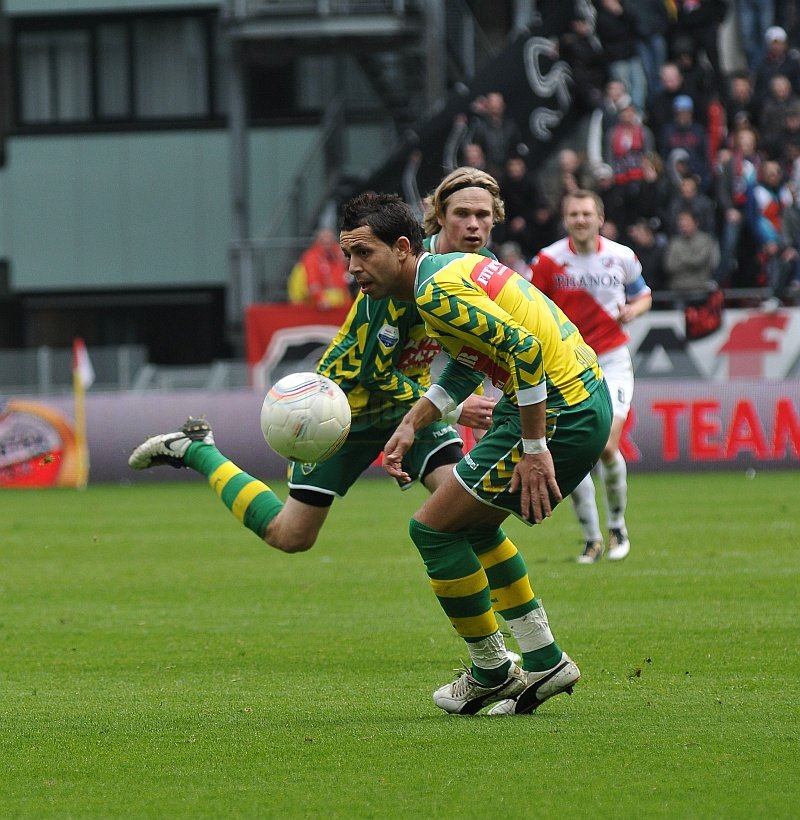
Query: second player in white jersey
[[598, 283], [596, 289]]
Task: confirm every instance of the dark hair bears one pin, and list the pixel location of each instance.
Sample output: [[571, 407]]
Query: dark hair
[[386, 215]]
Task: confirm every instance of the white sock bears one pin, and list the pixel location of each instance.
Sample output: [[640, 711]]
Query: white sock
[[532, 630], [616, 484], [488, 653], [584, 501]]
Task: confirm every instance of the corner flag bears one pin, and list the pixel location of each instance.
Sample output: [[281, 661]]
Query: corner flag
[[82, 364], [82, 380]]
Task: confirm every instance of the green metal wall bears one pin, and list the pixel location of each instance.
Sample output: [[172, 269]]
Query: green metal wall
[[140, 210]]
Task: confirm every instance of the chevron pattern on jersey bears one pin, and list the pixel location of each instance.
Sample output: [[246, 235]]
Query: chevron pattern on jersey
[[510, 340]]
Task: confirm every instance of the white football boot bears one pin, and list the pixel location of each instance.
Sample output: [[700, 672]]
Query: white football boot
[[618, 544], [465, 696], [592, 553], [541, 686], [170, 448]]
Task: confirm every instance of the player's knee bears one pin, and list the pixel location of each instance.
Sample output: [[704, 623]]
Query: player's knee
[[288, 540], [292, 543], [609, 454], [297, 545]]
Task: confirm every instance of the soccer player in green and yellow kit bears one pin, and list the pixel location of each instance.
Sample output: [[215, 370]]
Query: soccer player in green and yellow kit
[[381, 358], [547, 432]]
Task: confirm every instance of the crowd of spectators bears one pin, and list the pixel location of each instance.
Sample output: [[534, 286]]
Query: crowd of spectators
[[699, 170]]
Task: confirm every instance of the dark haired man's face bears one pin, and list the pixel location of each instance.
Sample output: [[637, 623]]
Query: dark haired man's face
[[372, 263]]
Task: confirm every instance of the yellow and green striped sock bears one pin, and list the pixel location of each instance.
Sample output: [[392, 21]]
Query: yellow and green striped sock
[[513, 597], [460, 585], [251, 501]]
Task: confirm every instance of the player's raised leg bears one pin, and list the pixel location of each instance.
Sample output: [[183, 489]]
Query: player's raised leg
[[291, 528]]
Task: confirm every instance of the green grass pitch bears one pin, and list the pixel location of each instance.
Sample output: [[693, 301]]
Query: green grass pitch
[[158, 661]]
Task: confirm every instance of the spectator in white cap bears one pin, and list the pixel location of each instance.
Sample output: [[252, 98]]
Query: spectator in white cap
[[777, 60], [775, 34]]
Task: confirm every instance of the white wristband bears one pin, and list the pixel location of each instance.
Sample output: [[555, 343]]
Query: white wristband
[[440, 399], [534, 446], [454, 415]]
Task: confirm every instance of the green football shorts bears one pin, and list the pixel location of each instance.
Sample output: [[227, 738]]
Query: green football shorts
[[336, 475], [576, 437]]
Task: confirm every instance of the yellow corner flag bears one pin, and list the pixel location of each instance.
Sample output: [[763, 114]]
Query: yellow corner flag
[[82, 380]]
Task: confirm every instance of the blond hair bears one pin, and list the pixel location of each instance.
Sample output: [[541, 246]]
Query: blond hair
[[456, 180]]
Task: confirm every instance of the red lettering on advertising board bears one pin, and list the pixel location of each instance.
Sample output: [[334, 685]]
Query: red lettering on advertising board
[[711, 437], [786, 429], [745, 433], [670, 411], [630, 452], [704, 428]]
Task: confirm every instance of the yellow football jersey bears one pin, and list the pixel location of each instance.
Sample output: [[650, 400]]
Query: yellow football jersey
[[490, 319]]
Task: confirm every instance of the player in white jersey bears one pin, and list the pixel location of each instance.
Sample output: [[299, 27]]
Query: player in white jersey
[[599, 285]]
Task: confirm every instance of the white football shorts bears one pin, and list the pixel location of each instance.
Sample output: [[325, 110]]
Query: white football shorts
[[618, 370]]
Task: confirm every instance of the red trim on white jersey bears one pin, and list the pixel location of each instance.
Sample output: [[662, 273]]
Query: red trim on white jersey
[[590, 287]]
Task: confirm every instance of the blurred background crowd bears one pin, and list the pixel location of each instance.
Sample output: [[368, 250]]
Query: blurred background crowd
[[699, 169]]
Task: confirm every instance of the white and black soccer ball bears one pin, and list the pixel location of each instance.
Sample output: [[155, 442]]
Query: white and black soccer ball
[[305, 417]]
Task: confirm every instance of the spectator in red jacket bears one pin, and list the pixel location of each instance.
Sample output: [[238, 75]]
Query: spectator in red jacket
[[321, 277]]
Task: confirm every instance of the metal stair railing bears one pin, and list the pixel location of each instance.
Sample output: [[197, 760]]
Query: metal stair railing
[[273, 251]]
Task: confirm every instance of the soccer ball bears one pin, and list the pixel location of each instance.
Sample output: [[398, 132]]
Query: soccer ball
[[305, 417]]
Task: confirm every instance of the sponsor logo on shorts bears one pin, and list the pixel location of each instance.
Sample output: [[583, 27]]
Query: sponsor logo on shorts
[[443, 432], [388, 336], [470, 461]]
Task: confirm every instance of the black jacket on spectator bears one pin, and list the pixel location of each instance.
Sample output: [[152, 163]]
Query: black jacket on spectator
[[691, 139], [523, 201], [659, 111], [585, 57], [788, 65], [738, 111], [652, 260], [700, 15], [617, 33], [653, 202], [650, 17], [701, 206]]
